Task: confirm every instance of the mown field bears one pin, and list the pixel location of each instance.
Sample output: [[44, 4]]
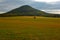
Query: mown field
[[28, 28]]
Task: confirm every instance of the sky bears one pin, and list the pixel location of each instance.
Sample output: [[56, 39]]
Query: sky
[[7, 5], [46, 1]]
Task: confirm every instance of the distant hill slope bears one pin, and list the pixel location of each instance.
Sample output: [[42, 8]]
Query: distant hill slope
[[25, 10]]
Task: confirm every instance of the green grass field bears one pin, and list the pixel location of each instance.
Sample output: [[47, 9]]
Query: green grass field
[[27, 28]]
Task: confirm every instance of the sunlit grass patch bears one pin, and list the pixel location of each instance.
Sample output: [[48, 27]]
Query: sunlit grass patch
[[27, 28]]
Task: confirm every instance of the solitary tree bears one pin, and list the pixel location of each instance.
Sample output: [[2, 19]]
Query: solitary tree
[[34, 17]]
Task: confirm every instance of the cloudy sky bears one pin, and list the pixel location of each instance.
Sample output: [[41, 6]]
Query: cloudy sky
[[7, 5]]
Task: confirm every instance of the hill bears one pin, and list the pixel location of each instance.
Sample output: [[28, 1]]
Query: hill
[[25, 10]]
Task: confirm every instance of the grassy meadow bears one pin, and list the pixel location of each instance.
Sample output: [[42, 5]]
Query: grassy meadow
[[28, 28]]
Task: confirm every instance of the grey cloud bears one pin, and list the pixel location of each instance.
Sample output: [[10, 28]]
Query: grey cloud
[[11, 4], [43, 5], [7, 5]]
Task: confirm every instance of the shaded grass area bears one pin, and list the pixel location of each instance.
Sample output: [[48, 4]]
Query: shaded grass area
[[27, 28]]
